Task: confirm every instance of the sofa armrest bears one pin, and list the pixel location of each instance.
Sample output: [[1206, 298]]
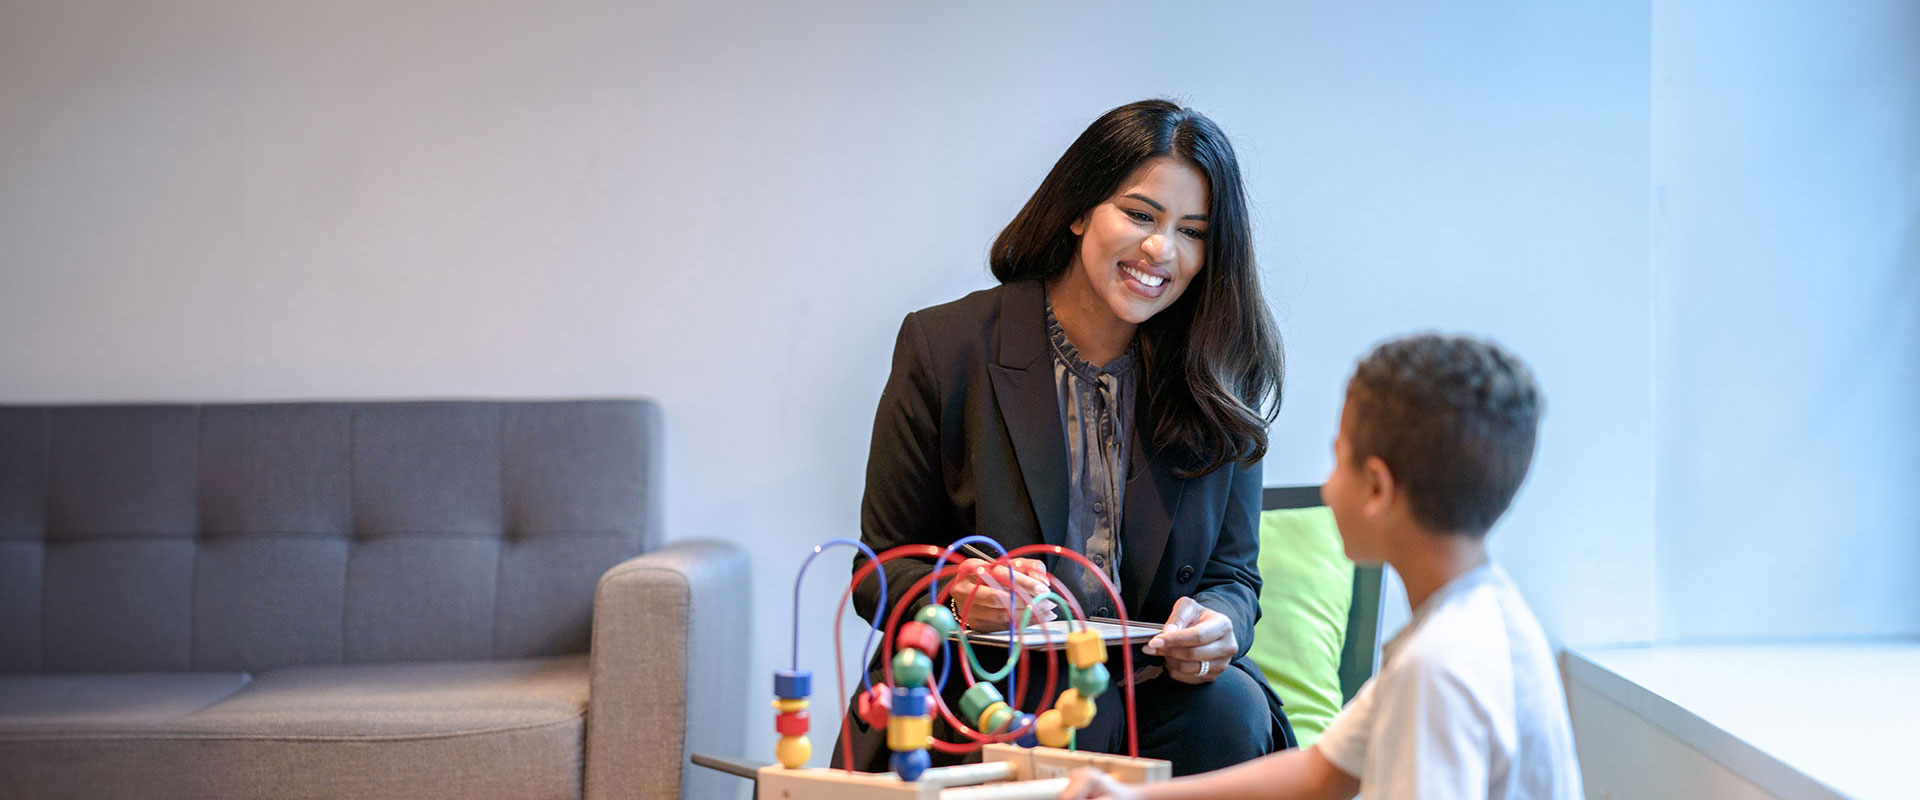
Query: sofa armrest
[[670, 643]]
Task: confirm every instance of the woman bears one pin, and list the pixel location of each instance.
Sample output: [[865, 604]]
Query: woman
[[1112, 395]]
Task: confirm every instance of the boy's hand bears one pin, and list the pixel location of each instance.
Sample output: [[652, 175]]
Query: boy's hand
[[1198, 642], [1088, 782], [980, 595]]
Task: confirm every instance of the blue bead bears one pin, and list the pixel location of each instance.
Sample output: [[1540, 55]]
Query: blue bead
[[792, 684], [910, 764], [1027, 739], [910, 701]]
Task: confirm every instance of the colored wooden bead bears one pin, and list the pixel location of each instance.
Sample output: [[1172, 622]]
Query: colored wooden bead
[[786, 706], [1076, 710], [875, 705], [1084, 648], [975, 700], [1025, 721], [793, 751], [792, 724], [998, 719], [911, 701], [792, 684], [980, 722], [1090, 682], [919, 636], [938, 618], [910, 764], [911, 668], [1053, 731], [908, 733]]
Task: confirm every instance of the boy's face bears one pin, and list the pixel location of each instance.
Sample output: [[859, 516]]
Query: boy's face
[[1353, 494]]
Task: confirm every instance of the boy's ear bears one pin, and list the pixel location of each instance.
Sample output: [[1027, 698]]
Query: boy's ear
[[1380, 486]]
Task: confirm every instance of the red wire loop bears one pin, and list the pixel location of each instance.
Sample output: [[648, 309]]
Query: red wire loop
[[1022, 599]]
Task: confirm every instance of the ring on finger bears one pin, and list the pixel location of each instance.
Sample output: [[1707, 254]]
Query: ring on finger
[[1204, 667]]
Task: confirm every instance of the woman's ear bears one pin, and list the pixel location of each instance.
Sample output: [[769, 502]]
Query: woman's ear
[[1079, 226]]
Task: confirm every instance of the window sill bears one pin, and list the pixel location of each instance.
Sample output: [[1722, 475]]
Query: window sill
[[1796, 719]]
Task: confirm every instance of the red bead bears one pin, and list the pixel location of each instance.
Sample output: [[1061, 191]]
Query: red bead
[[876, 705], [794, 724], [919, 636]]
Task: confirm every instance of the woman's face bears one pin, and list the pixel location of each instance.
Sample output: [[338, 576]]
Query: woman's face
[[1142, 247]]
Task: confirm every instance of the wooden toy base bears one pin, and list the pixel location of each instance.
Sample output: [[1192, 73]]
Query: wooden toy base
[[1006, 772]]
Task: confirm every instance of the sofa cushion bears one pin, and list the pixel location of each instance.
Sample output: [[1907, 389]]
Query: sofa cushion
[[500, 728], [108, 702], [249, 537]]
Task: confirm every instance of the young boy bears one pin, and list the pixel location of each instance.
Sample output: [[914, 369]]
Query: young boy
[[1435, 439]]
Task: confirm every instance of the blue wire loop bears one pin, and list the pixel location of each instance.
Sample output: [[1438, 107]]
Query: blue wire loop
[[878, 570]]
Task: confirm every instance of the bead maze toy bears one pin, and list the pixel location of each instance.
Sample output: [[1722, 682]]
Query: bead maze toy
[[1024, 755]]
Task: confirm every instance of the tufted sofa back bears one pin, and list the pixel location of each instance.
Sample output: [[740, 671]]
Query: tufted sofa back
[[251, 536]]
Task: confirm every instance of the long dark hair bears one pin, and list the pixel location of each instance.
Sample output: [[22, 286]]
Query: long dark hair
[[1212, 361]]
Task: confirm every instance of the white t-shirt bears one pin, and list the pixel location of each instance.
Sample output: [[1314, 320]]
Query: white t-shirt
[[1468, 703]]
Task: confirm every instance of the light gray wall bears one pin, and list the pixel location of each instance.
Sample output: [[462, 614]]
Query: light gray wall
[[1786, 256], [730, 206]]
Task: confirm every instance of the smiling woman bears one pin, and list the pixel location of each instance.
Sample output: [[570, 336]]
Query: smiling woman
[[1112, 396]]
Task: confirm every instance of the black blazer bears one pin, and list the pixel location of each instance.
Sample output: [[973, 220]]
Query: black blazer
[[967, 440]]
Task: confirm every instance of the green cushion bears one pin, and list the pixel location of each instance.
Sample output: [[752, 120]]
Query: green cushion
[[1307, 586]]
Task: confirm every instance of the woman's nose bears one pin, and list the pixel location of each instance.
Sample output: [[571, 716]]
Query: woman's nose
[[1156, 247]]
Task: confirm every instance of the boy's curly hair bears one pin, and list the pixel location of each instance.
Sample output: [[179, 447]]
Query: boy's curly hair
[[1453, 418]]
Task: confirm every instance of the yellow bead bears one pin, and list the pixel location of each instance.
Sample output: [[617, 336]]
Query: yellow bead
[[1077, 711], [981, 724], [1052, 729], [789, 706], [1085, 649], [793, 751], [909, 733]]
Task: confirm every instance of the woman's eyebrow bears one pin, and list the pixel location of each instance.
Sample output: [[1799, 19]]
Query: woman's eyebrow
[[1162, 209]]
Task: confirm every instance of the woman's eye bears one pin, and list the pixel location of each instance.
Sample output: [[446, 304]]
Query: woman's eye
[[1139, 216], [1195, 233]]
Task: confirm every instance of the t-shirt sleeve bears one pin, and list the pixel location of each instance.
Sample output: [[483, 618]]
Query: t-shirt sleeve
[[1432, 737], [1344, 742]]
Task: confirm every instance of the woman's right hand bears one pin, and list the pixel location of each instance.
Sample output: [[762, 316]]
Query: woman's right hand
[[985, 604]]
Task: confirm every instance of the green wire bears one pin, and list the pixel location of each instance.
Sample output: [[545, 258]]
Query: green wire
[[1014, 642]]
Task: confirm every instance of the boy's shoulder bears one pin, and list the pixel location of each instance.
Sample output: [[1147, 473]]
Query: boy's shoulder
[[1479, 633]]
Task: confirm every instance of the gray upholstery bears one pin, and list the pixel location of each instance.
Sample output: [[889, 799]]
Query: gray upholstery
[[338, 599]]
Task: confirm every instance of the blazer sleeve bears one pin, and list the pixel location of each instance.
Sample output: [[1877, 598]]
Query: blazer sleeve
[[1231, 582], [905, 500]]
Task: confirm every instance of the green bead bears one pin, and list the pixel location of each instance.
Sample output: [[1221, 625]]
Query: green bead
[[938, 618], [911, 668], [975, 700], [998, 721], [1090, 682]]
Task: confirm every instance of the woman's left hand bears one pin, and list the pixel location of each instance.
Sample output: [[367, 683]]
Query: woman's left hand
[[1197, 642]]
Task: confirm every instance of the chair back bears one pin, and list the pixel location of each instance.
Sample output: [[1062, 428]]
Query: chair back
[[1360, 653]]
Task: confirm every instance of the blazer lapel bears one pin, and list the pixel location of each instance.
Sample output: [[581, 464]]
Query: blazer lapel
[[1029, 405], [1152, 500]]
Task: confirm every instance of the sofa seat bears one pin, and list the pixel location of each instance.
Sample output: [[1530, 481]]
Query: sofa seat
[[493, 728]]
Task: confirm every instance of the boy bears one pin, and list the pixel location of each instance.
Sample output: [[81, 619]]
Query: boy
[[1436, 436]]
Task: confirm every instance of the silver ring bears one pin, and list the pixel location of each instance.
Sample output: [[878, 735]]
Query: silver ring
[[1204, 666]]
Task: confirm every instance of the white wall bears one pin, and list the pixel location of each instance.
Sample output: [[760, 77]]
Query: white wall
[[1786, 255], [729, 208]]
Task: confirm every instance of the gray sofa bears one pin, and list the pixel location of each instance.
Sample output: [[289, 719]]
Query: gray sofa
[[394, 600]]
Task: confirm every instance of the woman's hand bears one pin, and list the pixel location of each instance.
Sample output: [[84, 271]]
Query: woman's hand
[[1197, 642], [984, 603], [1088, 782]]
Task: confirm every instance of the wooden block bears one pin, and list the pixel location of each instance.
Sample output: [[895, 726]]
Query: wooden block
[[819, 783], [1052, 762]]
